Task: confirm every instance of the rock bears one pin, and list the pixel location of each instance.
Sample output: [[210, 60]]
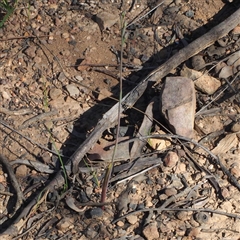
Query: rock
[[73, 90], [44, 29], [61, 77], [89, 191], [171, 159], [106, 20], [65, 35], [96, 212], [148, 202], [183, 215], [132, 219], [46, 157], [226, 72], [31, 51], [54, 93], [189, 13], [170, 191], [57, 103], [236, 127], [233, 58], [202, 217], [137, 61], [198, 62], [79, 78], [151, 231], [178, 105], [203, 82], [214, 50], [219, 66], [159, 144], [65, 224], [120, 223], [163, 197], [21, 171]]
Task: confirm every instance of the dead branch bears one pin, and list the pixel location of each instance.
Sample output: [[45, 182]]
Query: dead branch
[[110, 117], [13, 179]]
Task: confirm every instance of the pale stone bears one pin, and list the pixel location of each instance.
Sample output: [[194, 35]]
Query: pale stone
[[106, 20], [178, 101], [203, 82], [151, 231]]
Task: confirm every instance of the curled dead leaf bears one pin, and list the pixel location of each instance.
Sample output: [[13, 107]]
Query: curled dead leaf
[[70, 201]]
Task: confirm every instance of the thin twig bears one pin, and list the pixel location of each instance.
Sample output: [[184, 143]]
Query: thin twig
[[27, 138], [232, 178], [20, 196], [136, 174], [34, 119], [110, 166], [136, 20], [232, 215], [17, 112]]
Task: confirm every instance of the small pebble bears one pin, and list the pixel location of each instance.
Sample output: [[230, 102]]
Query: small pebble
[[44, 29], [190, 13], [54, 93], [171, 159], [89, 190], [31, 51], [73, 90], [170, 191], [79, 78], [120, 223], [21, 171], [65, 224], [46, 157], [151, 231], [132, 219], [202, 217], [65, 35], [183, 215], [61, 77], [137, 61], [96, 212], [235, 127], [198, 62]]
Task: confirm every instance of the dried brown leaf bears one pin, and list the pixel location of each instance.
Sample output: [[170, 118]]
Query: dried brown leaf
[[144, 130], [226, 144]]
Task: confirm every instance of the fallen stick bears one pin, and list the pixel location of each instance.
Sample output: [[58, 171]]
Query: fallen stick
[[110, 117]]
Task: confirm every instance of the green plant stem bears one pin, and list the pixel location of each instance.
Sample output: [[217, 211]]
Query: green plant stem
[[110, 166], [46, 106], [9, 10]]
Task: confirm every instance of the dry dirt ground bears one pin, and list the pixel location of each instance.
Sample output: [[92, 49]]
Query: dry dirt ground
[[59, 73]]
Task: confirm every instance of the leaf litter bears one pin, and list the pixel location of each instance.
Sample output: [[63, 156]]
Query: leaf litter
[[169, 200]]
